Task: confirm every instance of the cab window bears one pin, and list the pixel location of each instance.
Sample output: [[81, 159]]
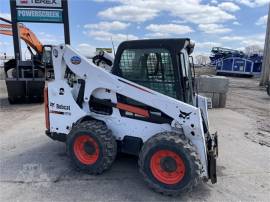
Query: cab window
[[151, 68], [46, 56], [186, 76]]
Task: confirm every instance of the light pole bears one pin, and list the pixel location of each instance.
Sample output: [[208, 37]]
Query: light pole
[[266, 54]]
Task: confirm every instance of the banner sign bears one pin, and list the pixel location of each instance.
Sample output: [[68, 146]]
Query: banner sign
[[39, 3], [39, 15]]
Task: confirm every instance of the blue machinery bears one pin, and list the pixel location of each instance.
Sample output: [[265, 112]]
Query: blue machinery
[[228, 61]]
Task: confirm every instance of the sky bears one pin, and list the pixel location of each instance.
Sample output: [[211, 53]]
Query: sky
[[96, 23]]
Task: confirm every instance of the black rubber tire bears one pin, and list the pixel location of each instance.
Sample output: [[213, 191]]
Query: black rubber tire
[[105, 140], [11, 100], [14, 73], [179, 144], [268, 88]]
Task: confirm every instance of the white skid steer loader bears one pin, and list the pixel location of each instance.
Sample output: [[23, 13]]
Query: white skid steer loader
[[145, 106]]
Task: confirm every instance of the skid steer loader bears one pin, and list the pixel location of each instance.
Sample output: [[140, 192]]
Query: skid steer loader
[[145, 106]]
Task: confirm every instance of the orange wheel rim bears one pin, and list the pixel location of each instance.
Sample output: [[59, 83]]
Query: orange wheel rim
[[167, 167], [86, 149]]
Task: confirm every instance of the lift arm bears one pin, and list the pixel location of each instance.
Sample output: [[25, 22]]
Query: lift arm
[[25, 34]]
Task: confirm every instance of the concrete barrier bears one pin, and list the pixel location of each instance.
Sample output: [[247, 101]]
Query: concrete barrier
[[215, 88]]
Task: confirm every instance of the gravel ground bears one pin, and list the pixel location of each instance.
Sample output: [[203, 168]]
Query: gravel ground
[[247, 97], [35, 168]]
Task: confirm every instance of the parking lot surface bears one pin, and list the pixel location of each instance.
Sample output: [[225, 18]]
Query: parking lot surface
[[36, 168]]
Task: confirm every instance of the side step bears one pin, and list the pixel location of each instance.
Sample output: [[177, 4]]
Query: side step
[[56, 136]]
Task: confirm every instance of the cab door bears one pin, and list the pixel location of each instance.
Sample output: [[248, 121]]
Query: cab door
[[186, 77]]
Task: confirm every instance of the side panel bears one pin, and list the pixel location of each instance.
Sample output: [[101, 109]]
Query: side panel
[[227, 64], [257, 67], [239, 65], [63, 109], [123, 126], [202, 104], [248, 66]]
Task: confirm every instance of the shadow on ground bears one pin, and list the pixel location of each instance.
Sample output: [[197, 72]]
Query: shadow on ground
[[46, 166]]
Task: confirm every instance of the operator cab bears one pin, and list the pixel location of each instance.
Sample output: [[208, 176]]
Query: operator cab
[[47, 61], [47, 55], [159, 64]]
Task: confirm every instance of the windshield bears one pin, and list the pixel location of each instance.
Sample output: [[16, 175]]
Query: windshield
[[152, 68], [46, 57]]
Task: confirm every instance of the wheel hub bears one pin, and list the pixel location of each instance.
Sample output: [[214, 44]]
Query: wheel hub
[[167, 167], [168, 164], [86, 149], [89, 148]]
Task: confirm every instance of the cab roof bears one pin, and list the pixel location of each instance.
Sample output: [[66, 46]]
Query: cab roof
[[176, 44]]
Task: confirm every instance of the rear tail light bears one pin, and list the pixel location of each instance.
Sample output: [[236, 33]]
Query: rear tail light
[[46, 105]]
